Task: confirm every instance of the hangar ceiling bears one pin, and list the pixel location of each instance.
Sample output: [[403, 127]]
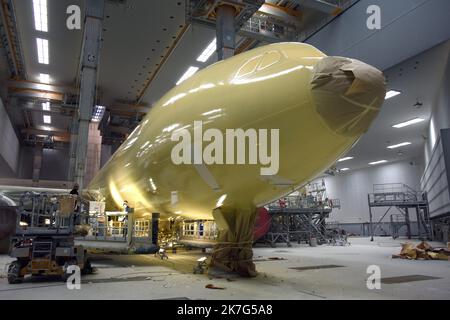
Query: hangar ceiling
[[148, 45], [419, 80]]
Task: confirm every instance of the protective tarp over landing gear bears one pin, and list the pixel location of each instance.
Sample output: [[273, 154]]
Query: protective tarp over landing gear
[[233, 251]]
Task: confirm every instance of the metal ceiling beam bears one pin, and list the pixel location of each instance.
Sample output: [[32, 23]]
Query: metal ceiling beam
[[246, 22], [120, 108], [285, 14], [42, 87], [10, 39], [36, 94], [38, 109], [121, 130], [320, 5], [205, 12], [37, 161], [161, 63], [62, 136], [36, 106]]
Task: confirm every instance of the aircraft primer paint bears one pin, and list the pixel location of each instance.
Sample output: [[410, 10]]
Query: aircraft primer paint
[[306, 110]]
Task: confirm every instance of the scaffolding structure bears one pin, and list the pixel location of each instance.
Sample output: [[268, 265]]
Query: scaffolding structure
[[302, 217], [403, 198]]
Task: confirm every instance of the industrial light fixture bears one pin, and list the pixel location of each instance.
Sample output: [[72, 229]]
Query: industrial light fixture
[[399, 145], [99, 111], [377, 162], [344, 169], [42, 50], [152, 183], [40, 15], [189, 73], [208, 52], [408, 123], [391, 94], [46, 106], [44, 78], [47, 119], [345, 159]]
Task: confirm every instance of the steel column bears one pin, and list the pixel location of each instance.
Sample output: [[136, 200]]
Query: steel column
[[225, 32], [370, 219], [408, 223], [73, 147], [419, 222], [155, 228], [88, 81], [37, 161]]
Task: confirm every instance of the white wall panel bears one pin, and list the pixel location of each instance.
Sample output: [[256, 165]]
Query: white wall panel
[[353, 187], [9, 146]]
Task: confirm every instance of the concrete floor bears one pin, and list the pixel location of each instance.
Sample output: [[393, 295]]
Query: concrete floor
[[145, 277]]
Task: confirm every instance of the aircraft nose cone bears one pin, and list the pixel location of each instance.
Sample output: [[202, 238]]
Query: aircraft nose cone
[[347, 93]]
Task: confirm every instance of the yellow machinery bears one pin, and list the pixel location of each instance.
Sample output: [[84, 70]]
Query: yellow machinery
[[43, 243]]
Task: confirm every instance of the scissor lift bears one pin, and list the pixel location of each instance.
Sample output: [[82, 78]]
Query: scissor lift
[[43, 243]]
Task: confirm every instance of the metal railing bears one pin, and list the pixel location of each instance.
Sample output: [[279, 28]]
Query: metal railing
[[199, 230], [300, 202], [395, 192], [392, 188], [262, 25], [98, 230]]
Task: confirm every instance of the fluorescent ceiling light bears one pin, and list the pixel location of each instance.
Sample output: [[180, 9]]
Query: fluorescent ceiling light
[[47, 119], [44, 78], [345, 159], [42, 50], [46, 106], [391, 94], [152, 183], [221, 200], [344, 169], [208, 52], [99, 111], [189, 73], [408, 123], [40, 15], [399, 145], [377, 162]]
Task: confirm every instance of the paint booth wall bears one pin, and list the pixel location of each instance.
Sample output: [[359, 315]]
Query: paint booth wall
[[55, 164], [353, 187], [9, 147]]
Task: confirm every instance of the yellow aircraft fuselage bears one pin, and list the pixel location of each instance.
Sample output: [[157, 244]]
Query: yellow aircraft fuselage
[[319, 106]]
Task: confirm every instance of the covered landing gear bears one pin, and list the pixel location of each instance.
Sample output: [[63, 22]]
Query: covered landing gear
[[233, 251]]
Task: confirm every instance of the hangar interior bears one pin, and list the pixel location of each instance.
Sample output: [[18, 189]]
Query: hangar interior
[[79, 77]]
